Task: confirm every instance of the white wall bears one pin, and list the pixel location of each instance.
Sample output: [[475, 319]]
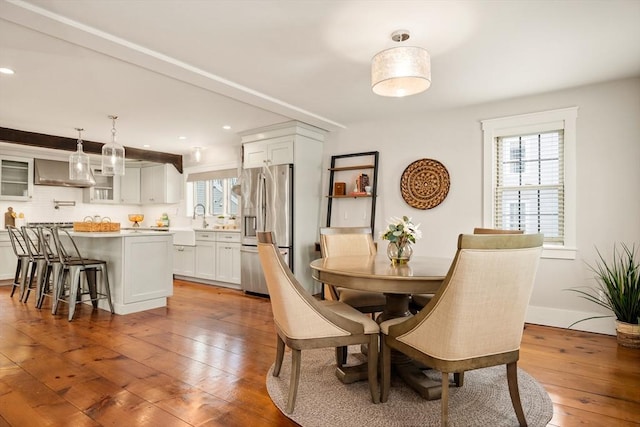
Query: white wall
[[608, 181]]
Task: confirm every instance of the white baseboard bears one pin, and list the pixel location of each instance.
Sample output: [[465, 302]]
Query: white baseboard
[[563, 318]]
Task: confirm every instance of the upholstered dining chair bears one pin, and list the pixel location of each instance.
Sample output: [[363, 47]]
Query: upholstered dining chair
[[419, 301], [479, 230], [303, 322], [350, 241], [475, 319]]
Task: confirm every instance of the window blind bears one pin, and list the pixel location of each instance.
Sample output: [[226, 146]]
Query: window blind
[[529, 184]]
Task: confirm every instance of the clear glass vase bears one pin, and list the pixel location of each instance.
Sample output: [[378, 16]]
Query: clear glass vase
[[399, 253]]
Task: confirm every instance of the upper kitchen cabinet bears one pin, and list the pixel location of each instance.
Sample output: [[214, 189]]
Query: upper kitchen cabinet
[[160, 184], [106, 190], [16, 178], [276, 151], [130, 186]]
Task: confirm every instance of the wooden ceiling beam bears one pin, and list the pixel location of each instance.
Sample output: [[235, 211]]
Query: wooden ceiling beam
[[41, 140]]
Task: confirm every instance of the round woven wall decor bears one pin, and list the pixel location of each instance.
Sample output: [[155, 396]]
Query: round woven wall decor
[[424, 184]]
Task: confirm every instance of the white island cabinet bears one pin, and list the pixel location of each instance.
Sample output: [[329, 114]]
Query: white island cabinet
[[140, 267]]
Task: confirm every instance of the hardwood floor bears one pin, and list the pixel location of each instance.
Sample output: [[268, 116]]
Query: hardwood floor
[[203, 359]]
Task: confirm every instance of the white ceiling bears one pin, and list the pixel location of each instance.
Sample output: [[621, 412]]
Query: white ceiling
[[171, 68]]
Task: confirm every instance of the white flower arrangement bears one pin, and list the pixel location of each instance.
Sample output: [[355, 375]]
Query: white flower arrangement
[[401, 231]]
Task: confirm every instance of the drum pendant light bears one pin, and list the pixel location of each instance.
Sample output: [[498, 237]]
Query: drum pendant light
[[80, 164], [400, 71], [113, 154]]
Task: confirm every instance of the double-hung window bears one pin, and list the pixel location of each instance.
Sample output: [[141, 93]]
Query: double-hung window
[[213, 190], [529, 181]]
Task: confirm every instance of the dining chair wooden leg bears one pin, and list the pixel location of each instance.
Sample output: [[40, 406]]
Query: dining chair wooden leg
[[279, 356], [341, 356], [372, 367], [385, 362], [295, 379], [512, 379], [444, 416], [458, 378]]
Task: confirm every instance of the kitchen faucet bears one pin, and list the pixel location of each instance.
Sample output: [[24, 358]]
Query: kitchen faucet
[[204, 214]]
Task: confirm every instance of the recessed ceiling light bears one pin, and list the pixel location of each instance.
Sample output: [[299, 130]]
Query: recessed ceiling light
[[146, 146], [182, 137], [226, 127], [6, 70]]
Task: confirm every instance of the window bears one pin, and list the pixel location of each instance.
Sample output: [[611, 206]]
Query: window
[[214, 190], [529, 181]]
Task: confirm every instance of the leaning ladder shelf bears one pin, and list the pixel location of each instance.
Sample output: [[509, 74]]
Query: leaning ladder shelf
[[374, 184]]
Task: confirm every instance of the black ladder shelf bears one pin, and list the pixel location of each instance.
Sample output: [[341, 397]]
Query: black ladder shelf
[[374, 182]]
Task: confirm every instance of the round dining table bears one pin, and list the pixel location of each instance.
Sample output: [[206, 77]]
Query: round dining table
[[421, 275]]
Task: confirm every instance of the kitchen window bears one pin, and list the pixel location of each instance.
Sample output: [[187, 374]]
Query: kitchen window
[[529, 178], [214, 190]]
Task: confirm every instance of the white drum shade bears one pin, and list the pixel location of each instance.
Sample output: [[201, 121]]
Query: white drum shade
[[401, 71]]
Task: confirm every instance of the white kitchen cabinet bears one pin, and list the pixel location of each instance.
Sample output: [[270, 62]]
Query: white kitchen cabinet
[[184, 260], [106, 190], [205, 255], [276, 151], [8, 260], [160, 184], [130, 186], [228, 257], [16, 178]]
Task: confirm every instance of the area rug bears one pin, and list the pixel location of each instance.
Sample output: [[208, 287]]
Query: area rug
[[324, 401]]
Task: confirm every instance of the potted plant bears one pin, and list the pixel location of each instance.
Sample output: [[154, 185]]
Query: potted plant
[[400, 234], [618, 289]]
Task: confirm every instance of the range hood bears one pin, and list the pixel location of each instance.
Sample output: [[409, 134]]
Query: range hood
[[54, 173]]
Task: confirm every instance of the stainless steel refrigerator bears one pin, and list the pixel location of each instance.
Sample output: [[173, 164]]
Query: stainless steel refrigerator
[[267, 205]]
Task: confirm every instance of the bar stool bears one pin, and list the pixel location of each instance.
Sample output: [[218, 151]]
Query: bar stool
[[37, 260], [22, 267], [49, 274], [69, 286]]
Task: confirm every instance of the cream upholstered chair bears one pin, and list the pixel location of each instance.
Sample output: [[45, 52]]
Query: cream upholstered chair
[[350, 241], [479, 230], [475, 319], [303, 322], [420, 300]]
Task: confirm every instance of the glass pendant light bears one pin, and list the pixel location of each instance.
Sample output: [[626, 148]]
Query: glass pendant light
[[80, 165], [113, 154]]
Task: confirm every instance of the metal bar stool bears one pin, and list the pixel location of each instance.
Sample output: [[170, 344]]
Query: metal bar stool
[[68, 286], [50, 273], [37, 260], [22, 267]]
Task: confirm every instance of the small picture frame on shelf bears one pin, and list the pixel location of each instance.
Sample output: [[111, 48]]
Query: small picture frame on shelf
[[340, 189]]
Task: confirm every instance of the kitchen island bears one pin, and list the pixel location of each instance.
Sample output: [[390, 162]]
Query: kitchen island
[[140, 266]]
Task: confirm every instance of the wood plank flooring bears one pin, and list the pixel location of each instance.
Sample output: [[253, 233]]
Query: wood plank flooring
[[202, 361]]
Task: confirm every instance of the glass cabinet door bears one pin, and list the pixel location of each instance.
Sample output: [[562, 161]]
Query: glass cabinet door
[[16, 178]]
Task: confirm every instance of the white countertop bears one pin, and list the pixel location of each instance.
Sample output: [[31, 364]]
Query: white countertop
[[121, 233]]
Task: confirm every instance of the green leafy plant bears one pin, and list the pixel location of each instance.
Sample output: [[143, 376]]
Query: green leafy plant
[[618, 285]]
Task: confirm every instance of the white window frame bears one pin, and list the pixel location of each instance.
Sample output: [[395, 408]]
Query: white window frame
[[226, 199], [539, 122]]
